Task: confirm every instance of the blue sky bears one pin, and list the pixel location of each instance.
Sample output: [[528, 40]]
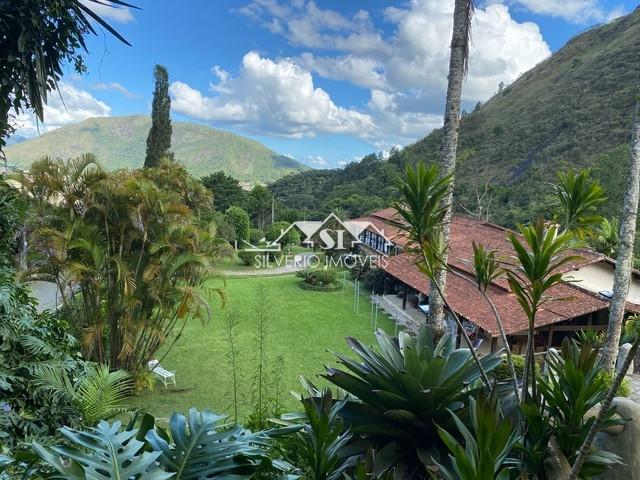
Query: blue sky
[[326, 81]]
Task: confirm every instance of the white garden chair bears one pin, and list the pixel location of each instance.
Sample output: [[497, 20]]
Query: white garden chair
[[165, 376]]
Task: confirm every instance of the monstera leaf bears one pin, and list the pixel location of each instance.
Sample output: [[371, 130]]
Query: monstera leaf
[[106, 453], [204, 445]]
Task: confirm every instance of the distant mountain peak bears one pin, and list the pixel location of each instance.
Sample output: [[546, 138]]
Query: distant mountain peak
[[120, 142]]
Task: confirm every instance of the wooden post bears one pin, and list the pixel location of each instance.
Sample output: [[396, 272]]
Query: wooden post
[[494, 344], [404, 297]]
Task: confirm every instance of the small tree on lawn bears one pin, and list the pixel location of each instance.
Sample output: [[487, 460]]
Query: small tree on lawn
[[292, 237], [239, 220]]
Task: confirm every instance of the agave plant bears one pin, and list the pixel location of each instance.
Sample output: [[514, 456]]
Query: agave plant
[[402, 389], [489, 441]]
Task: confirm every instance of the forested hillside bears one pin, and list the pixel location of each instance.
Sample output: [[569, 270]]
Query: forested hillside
[[572, 110]]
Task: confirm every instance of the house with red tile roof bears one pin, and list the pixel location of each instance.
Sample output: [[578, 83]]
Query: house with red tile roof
[[580, 302]]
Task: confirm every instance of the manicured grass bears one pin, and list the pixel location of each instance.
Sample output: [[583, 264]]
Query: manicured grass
[[303, 326]]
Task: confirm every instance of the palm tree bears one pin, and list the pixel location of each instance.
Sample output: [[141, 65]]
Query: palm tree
[[458, 66], [624, 258]]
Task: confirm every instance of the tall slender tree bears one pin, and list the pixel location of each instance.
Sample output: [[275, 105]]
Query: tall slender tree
[[159, 139], [624, 259], [458, 65]]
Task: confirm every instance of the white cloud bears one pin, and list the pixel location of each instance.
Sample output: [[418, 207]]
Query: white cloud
[[405, 71], [316, 161], [117, 87], [270, 96], [75, 106], [576, 11], [115, 13]]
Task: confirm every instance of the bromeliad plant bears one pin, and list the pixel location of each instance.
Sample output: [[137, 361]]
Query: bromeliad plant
[[322, 440], [488, 443], [401, 390]]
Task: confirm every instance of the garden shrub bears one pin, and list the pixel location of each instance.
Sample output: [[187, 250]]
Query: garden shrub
[[625, 386], [247, 257], [255, 236], [239, 219], [318, 279], [29, 340], [503, 373]]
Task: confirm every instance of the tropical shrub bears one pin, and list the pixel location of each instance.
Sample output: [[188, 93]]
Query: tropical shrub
[[502, 372], [239, 220], [573, 386], [28, 341], [291, 237], [403, 391], [132, 251], [247, 257], [317, 276], [200, 446], [96, 392], [255, 236], [13, 212]]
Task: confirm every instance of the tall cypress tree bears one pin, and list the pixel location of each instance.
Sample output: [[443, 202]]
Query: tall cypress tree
[[159, 139]]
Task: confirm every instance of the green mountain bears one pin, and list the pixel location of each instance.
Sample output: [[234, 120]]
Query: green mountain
[[572, 110], [120, 142]]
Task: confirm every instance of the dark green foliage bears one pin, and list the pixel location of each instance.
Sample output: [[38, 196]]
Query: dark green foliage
[[248, 257], [112, 453], [573, 386], [208, 447], [358, 188], [226, 190], [200, 446], [578, 197], [322, 441], [39, 39], [159, 139], [12, 215], [259, 206], [502, 372], [29, 340], [224, 229], [255, 236], [404, 388], [486, 445], [239, 220], [292, 237], [318, 277]]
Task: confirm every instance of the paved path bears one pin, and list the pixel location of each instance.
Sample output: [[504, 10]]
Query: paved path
[[46, 293], [299, 262]]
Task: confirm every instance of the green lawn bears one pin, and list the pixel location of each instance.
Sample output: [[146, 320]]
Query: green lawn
[[303, 326]]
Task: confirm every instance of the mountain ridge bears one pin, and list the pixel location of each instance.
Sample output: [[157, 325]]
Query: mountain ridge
[[572, 110], [120, 142]]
